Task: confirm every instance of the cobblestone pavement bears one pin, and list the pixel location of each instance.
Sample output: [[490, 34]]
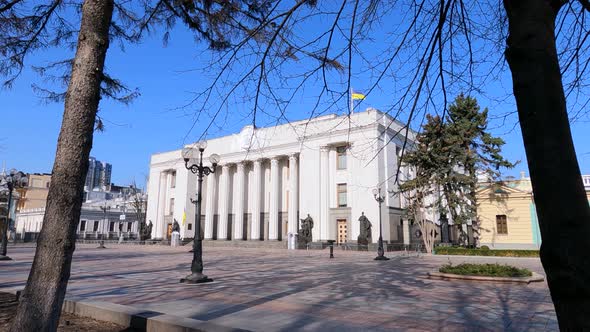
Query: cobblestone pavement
[[281, 290]]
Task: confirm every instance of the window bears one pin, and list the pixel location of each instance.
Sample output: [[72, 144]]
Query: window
[[128, 227], [95, 227], [171, 211], [190, 227], [112, 226], [341, 157], [501, 224], [82, 225], [173, 180], [342, 195]]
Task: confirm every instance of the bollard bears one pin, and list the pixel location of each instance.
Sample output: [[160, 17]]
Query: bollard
[[331, 242]]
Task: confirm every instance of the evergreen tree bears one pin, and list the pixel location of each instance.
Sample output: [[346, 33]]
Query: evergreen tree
[[475, 151], [448, 158]]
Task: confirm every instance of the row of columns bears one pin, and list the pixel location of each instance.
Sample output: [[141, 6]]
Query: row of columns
[[238, 197], [105, 224]]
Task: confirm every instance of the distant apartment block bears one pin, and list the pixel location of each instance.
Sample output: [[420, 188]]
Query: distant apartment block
[[98, 176]]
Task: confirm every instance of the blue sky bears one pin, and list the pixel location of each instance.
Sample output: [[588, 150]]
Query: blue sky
[[167, 79]]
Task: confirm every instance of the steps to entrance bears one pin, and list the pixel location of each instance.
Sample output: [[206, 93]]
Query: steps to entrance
[[243, 244]]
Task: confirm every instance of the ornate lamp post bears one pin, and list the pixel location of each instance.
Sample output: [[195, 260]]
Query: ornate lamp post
[[15, 179], [380, 251], [196, 167], [123, 216], [104, 209]]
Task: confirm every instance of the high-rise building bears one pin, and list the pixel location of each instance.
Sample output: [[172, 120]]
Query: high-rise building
[[105, 176], [98, 176], [89, 185]]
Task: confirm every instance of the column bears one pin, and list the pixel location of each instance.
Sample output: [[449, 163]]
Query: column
[[324, 191], [256, 200], [223, 203], [210, 207], [158, 228], [273, 219], [293, 193], [406, 231], [239, 203]]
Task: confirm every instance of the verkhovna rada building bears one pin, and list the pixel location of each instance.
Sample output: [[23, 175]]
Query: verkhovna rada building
[[270, 178]]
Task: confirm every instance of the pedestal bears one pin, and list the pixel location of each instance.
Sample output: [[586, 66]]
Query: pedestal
[[291, 241], [196, 278], [175, 240]]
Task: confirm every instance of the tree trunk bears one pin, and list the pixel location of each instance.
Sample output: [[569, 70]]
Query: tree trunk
[[40, 304], [562, 208]]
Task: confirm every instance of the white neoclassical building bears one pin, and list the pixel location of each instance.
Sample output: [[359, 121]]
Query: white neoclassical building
[[270, 178]]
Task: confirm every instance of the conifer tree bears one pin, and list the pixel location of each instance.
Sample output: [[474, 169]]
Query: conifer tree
[[448, 158], [473, 150]]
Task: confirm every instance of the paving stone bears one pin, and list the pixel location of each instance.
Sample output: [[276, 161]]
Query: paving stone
[[281, 290]]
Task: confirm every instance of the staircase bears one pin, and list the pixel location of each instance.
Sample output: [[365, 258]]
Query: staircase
[[240, 244]]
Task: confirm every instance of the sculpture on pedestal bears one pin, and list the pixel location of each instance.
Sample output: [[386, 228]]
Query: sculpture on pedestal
[[145, 233], [364, 237], [175, 239], [304, 234]]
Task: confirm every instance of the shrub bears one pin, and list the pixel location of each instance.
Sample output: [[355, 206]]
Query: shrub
[[492, 270], [485, 248], [483, 252]]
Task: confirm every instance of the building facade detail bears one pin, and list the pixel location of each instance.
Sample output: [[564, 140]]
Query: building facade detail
[[326, 167]]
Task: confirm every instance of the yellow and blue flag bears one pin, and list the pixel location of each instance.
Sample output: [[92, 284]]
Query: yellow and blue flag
[[358, 95]]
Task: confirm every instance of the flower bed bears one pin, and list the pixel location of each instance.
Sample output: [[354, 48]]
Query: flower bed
[[489, 270]]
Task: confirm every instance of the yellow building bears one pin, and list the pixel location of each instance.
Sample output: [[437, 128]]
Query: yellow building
[[508, 216], [34, 195]]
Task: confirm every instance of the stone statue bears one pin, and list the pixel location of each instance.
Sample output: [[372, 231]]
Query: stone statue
[[175, 227], [145, 233], [304, 234], [364, 237]]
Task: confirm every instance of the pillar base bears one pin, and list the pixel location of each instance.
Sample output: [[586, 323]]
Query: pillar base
[[195, 278], [5, 258], [381, 258]]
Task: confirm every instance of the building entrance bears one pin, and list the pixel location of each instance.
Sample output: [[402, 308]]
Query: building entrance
[[342, 231], [169, 232]]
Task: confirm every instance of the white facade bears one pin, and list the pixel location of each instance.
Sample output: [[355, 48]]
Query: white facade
[[270, 178], [95, 221]]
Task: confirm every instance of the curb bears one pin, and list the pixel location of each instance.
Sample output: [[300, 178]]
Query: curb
[[131, 317], [491, 257], [450, 276]]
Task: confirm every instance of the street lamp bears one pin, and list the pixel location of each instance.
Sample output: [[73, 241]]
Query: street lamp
[[380, 251], [196, 167], [104, 209], [15, 179]]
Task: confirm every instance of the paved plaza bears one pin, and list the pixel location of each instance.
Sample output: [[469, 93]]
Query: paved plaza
[[281, 290]]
